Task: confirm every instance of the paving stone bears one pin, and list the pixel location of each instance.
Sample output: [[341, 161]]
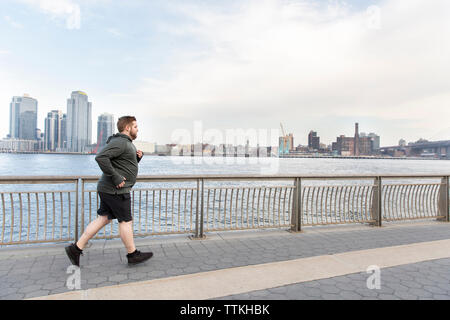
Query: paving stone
[[420, 293], [118, 277], [28, 289], [37, 293], [404, 295], [8, 291]]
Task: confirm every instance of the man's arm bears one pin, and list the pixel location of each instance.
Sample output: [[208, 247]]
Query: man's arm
[[139, 155], [110, 151]]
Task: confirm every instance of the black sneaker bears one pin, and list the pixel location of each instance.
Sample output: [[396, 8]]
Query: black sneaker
[[138, 257], [74, 254]]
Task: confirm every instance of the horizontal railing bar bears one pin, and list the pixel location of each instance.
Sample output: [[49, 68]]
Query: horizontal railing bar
[[32, 191], [36, 181], [62, 179]]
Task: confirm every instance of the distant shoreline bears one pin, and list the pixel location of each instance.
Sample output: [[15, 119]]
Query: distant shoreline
[[246, 156]]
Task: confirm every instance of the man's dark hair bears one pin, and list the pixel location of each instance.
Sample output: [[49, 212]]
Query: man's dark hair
[[124, 121]]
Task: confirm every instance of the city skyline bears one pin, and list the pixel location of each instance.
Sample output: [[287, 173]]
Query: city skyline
[[313, 65], [56, 121]]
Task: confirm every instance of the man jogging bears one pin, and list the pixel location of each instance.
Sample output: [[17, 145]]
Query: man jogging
[[118, 161]]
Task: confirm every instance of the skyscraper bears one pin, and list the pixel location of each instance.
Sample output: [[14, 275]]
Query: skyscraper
[[376, 140], [356, 150], [105, 128], [53, 130], [64, 132], [79, 122], [23, 118], [313, 141]]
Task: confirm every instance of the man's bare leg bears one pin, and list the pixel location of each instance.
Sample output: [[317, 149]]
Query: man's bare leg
[[91, 230], [126, 234]]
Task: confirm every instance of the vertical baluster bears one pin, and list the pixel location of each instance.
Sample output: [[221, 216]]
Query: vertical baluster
[[214, 209], [231, 209], [146, 211], [284, 205], [356, 195], [268, 205], [279, 205], [167, 222], [236, 207], [365, 195], [179, 213], [153, 212], [140, 204], [264, 207], [318, 196], [21, 217], [61, 213], [248, 198], [45, 218], [308, 219], [253, 208], [326, 204], [172, 213], [37, 215], [207, 209], [159, 213], [12, 217], [434, 200], [70, 214], [428, 200], [4, 216], [423, 201], [257, 206], [192, 201]]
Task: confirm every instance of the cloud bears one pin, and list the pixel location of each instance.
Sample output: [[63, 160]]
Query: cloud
[[13, 23], [114, 32], [59, 9], [298, 60]]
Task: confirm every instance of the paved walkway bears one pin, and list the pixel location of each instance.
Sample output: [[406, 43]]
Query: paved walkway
[[41, 270]]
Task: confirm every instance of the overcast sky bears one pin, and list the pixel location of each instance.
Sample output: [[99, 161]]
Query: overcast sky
[[248, 64]]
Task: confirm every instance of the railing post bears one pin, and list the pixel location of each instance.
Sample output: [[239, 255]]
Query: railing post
[[376, 213], [82, 205], [199, 212], [76, 209], [444, 200], [297, 206], [201, 235]]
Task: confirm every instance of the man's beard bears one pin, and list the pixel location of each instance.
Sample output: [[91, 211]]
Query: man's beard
[[133, 136]]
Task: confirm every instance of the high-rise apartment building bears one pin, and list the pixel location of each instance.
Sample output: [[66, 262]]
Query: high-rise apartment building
[[313, 141], [376, 140], [53, 130], [23, 118], [105, 128], [79, 122]]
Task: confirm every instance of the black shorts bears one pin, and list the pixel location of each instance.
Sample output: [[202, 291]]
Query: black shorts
[[115, 206]]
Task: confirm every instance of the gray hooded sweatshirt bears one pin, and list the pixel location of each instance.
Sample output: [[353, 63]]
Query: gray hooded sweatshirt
[[118, 159]]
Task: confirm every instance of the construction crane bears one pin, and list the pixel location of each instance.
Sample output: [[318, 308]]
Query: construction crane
[[282, 130], [98, 142], [284, 146]]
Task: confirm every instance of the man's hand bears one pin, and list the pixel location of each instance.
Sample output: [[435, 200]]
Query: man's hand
[[122, 184], [139, 153]]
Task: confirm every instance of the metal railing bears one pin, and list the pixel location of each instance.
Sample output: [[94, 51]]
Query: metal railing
[[197, 204]]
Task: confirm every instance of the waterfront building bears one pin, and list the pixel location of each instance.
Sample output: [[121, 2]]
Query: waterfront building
[[79, 122], [144, 146], [105, 128], [53, 130], [23, 118], [360, 144], [313, 141], [376, 140]]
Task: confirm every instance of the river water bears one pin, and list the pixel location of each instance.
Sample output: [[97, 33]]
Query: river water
[[49, 213]]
